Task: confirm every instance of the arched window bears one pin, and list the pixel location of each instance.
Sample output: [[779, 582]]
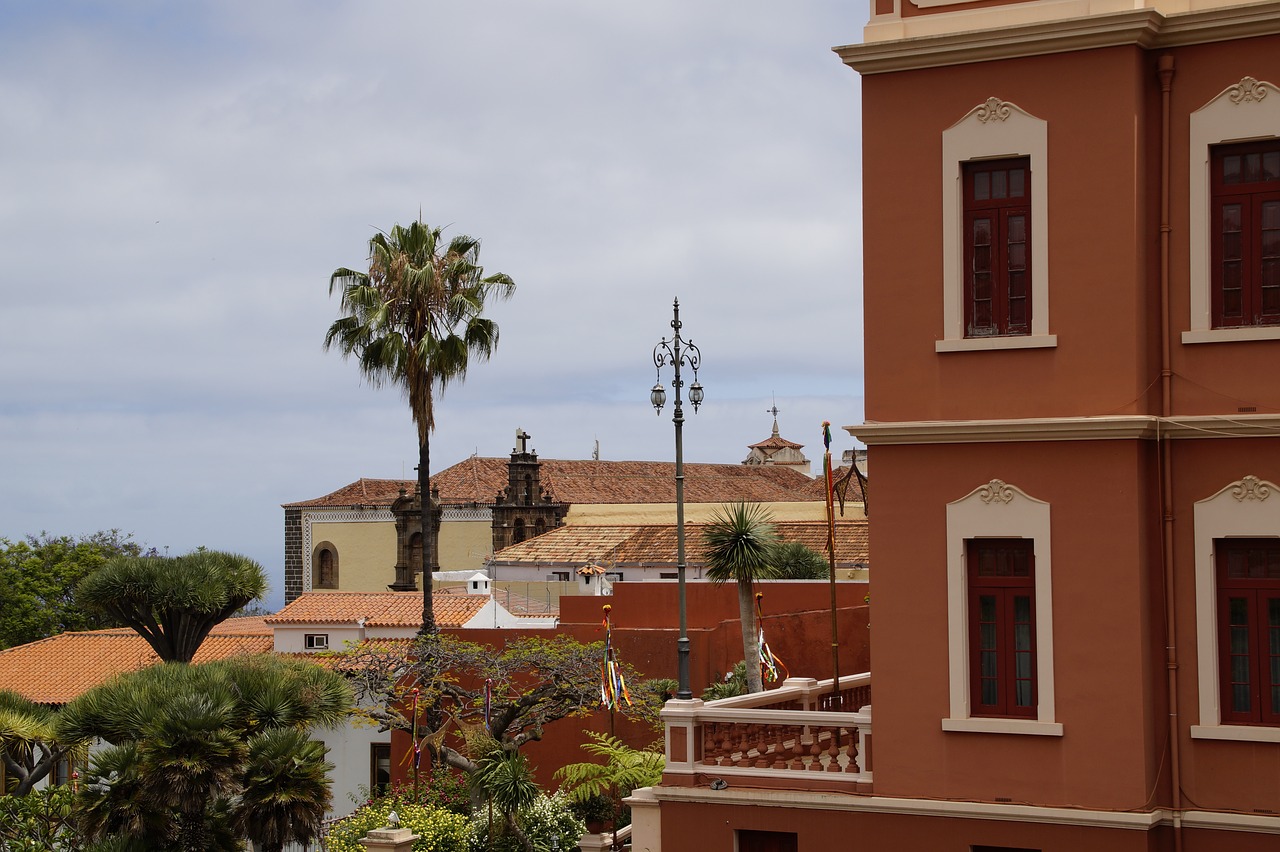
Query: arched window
[[528, 489], [324, 567], [517, 535], [539, 526], [415, 552]]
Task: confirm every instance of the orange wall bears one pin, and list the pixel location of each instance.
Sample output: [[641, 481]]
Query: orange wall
[[1102, 295], [1107, 667]]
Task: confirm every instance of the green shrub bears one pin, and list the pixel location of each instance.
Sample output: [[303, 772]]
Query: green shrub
[[547, 817], [438, 829]]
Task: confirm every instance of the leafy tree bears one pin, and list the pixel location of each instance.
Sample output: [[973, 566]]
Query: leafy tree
[[39, 575], [739, 545], [796, 561], [532, 682], [29, 744], [187, 746], [173, 602], [414, 320], [39, 822]]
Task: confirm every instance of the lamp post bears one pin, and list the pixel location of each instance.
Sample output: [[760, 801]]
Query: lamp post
[[678, 352]]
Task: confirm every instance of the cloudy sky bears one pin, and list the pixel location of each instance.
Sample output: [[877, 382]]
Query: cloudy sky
[[178, 180]]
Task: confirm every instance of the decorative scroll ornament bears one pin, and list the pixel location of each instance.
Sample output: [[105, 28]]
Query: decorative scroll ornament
[[1251, 488], [1248, 89], [994, 109], [996, 491]]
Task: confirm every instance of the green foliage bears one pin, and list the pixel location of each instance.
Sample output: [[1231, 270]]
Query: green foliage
[[545, 818], [39, 575], [285, 789], [173, 602], [622, 770], [796, 561], [40, 822], [30, 746], [438, 829], [735, 683], [197, 751]]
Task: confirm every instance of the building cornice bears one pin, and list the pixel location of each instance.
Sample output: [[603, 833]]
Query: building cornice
[[988, 40], [762, 797], [1128, 427]]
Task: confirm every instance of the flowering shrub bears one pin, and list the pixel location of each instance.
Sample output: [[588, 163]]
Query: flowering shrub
[[547, 817], [438, 829]]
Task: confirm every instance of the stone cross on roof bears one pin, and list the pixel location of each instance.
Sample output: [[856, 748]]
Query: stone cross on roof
[[522, 438]]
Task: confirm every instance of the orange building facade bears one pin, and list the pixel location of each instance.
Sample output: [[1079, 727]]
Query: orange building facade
[[1072, 301]]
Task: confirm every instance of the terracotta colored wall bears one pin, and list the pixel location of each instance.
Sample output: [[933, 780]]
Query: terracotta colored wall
[[698, 827], [1101, 291], [1106, 669]]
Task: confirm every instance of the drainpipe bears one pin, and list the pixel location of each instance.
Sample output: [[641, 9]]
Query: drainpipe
[[1166, 457]]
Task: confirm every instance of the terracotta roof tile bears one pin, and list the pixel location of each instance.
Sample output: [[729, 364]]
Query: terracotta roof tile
[[480, 480], [656, 544], [57, 669], [379, 609]]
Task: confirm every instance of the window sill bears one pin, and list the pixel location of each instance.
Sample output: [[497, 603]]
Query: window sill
[[985, 344], [1236, 733], [1232, 335], [1003, 726]]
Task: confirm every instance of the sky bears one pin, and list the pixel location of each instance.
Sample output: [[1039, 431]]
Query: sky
[[179, 180]]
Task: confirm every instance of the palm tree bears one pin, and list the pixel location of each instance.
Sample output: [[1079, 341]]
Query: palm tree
[[739, 544], [414, 320], [29, 743], [285, 791]]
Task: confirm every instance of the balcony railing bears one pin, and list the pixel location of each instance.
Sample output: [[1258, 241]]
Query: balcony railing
[[803, 735]]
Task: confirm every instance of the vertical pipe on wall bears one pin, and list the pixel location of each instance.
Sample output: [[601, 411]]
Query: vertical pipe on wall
[[1166, 458]]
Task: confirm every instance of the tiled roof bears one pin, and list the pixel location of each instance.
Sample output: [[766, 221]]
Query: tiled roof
[[656, 544], [480, 480], [379, 609], [57, 669]]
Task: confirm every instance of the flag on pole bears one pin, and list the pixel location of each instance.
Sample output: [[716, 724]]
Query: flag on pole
[[613, 687], [769, 661], [417, 746], [826, 473]]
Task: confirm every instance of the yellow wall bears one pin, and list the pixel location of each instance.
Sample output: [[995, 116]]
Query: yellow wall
[[366, 553], [464, 545]]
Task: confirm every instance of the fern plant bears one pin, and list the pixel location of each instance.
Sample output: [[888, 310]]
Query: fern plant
[[624, 769]]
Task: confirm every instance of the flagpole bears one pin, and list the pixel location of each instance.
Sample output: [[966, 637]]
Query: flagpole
[[837, 701]]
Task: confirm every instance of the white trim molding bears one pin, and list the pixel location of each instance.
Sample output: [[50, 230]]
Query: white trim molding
[[1105, 428], [994, 129], [1246, 508], [999, 510], [1247, 110]]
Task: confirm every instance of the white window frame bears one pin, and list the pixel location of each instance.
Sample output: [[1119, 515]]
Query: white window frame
[[995, 129], [315, 641], [998, 510], [1247, 508], [1244, 112]]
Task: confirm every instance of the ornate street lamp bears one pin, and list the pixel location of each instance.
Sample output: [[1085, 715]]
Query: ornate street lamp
[[678, 352]]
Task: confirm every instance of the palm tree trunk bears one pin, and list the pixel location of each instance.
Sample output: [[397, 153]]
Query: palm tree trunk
[[750, 636], [429, 542]]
